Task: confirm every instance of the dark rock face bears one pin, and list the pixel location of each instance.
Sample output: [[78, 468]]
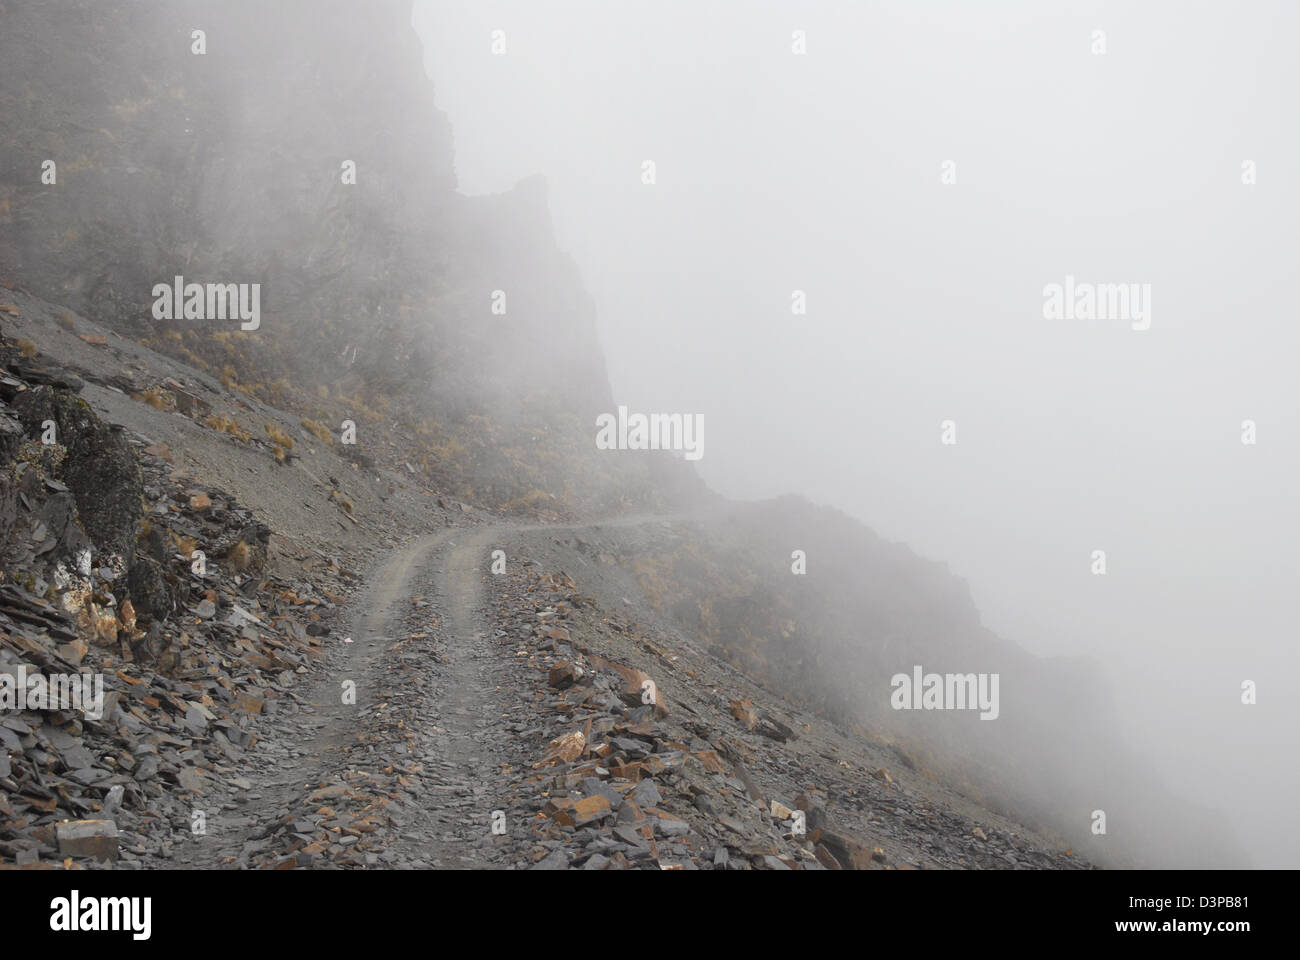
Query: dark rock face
[[229, 167], [152, 544], [99, 466], [219, 156], [74, 774], [233, 167], [11, 438], [65, 538], [150, 590]]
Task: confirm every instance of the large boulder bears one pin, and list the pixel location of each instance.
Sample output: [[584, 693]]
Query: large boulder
[[151, 589], [99, 467]]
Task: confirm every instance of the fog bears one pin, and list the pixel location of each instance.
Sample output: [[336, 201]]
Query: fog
[[824, 173]]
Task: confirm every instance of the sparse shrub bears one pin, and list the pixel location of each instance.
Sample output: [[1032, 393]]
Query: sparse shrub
[[529, 501], [317, 431], [278, 436], [282, 443], [184, 545], [157, 398], [449, 452], [237, 557], [224, 424]]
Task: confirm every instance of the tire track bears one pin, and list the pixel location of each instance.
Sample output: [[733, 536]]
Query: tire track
[[462, 702]]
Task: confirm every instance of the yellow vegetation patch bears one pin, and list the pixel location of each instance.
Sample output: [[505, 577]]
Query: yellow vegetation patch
[[237, 557], [157, 398], [450, 452], [185, 545], [278, 436], [529, 501], [317, 431], [225, 424]]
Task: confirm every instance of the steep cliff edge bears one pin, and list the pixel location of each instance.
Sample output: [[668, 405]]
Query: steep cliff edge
[[302, 151]]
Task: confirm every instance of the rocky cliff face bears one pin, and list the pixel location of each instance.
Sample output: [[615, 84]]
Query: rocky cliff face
[[222, 165], [391, 298]]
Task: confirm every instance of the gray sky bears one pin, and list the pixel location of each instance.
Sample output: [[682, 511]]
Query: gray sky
[[822, 173]]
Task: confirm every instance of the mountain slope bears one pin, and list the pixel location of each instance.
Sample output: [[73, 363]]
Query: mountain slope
[[377, 302]]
